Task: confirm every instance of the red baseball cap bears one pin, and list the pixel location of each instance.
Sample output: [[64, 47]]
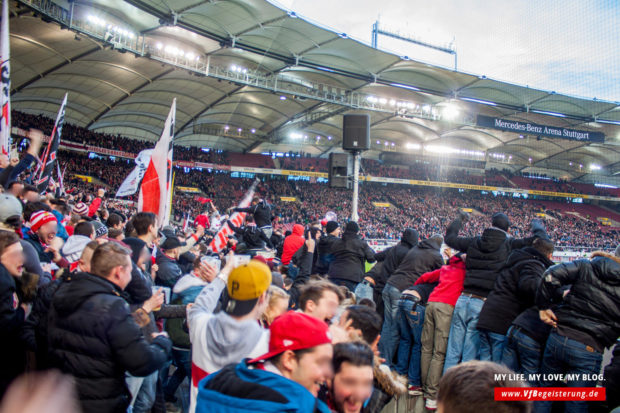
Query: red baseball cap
[[295, 331]]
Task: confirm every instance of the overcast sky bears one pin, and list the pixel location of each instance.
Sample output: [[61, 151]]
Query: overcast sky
[[568, 46]]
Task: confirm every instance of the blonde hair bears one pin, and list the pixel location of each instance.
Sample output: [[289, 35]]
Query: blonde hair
[[274, 293]]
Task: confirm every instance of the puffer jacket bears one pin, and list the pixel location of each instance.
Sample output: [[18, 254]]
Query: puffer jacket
[[486, 254], [93, 336], [324, 254], [592, 306], [514, 290], [421, 259], [350, 255]]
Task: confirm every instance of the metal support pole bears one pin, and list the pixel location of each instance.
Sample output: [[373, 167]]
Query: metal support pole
[[356, 172]]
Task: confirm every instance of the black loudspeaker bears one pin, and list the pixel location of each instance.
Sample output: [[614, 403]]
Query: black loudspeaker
[[356, 132], [338, 170]]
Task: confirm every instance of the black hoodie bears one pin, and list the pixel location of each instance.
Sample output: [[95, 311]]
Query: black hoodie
[[420, 259], [392, 257], [514, 290], [93, 336]]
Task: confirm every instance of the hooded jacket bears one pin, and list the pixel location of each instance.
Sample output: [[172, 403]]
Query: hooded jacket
[[184, 292], [450, 279], [420, 259], [92, 335], [252, 236], [72, 250], [350, 255], [514, 290], [292, 243], [592, 305], [218, 339], [238, 388], [261, 213], [392, 257], [324, 254], [486, 254]]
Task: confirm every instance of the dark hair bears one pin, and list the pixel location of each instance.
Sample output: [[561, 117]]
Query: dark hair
[[368, 303], [355, 353], [30, 188], [142, 221], [7, 238], [84, 228], [313, 291], [544, 246], [365, 319], [113, 219], [13, 183], [256, 200], [469, 388], [298, 355], [114, 232], [32, 207], [249, 218]]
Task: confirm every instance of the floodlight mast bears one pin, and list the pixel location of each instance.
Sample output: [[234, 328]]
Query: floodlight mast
[[376, 31], [356, 173]]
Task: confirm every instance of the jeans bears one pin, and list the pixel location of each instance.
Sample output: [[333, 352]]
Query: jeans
[[491, 346], [142, 391], [351, 285], [522, 353], [435, 333], [364, 290], [182, 359], [464, 339], [389, 332], [567, 356], [410, 322]]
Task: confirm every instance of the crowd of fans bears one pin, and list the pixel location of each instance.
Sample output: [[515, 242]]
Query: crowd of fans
[[283, 315]]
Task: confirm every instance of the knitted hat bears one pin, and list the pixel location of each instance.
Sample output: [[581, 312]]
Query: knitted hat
[[352, 227], [100, 229], [80, 209], [40, 218], [500, 221], [331, 226]]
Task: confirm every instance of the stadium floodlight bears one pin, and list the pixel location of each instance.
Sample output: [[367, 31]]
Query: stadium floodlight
[[383, 101], [295, 135], [226, 127], [392, 102], [450, 111], [282, 97], [426, 108], [378, 142], [329, 138], [482, 102], [159, 46], [239, 130], [253, 130], [543, 112], [605, 186], [413, 146], [190, 56], [595, 167]]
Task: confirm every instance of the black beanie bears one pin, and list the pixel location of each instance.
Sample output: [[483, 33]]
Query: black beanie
[[352, 227], [331, 226], [500, 221]]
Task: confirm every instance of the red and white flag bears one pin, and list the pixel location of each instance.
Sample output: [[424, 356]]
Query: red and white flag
[[5, 86], [237, 218], [157, 182]]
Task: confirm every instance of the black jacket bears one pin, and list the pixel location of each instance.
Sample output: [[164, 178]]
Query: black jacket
[[324, 254], [392, 257], [253, 237], [486, 254], [168, 272], [350, 254], [514, 290], [592, 306], [261, 213], [420, 259], [11, 322], [92, 335]]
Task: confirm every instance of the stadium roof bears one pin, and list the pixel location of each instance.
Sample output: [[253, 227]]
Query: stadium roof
[[249, 76]]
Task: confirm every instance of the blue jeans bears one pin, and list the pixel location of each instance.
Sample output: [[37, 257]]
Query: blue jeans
[[364, 290], [566, 356], [389, 332], [182, 359], [464, 339], [491, 346], [410, 322], [522, 353], [351, 285], [143, 392]]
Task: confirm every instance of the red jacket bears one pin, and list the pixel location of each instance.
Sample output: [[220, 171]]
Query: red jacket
[[450, 279], [94, 207], [292, 243]]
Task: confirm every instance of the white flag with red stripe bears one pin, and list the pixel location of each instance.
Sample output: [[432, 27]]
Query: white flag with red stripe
[[157, 182], [237, 218], [5, 86]]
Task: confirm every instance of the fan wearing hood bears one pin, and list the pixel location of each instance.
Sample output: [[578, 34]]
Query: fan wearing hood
[[350, 255]]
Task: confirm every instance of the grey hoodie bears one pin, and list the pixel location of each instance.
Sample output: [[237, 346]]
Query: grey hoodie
[[72, 250]]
